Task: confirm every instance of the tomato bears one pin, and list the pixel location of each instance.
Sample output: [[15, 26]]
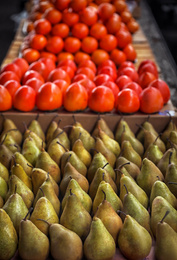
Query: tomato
[[112, 85], [63, 85], [125, 16], [146, 78], [113, 24], [124, 37], [44, 5], [98, 30], [118, 56], [8, 75], [49, 97], [130, 52], [39, 67], [5, 99], [106, 63], [46, 54], [78, 5], [109, 71], [144, 62], [126, 64], [108, 42], [24, 99], [122, 80], [101, 79], [55, 44], [52, 15], [49, 64], [88, 84], [135, 86], [42, 26], [22, 64], [89, 44], [31, 74], [69, 70], [69, 17], [105, 11], [30, 55], [148, 67], [162, 86], [89, 64], [101, 99], [130, 72], [12, 67], [120, 5], [127, 101], [99, 55], [133, 25], [81, 56], [34, 83], [75, 98], [61, 4], [72, 44], [67, 62], [88, 15], [12, 86], [151, 100], [87, 71], [79, 77], [80, 30], [65, 55], [61, 30], [58, 73], [38, 41]]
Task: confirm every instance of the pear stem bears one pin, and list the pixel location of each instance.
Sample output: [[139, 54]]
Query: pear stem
[[120, 211], [122, 165], [60, 133], [44, 221], [167, 212], [70, 191], [74, 118], [93, 149], [62, 145], [170, 157], [29, 212], [104, 193], [126, 188], [105, 165], [42, 191], [171, 182], [3, 139], [103, 175], [15, 191], [29, 165], [37, 117]]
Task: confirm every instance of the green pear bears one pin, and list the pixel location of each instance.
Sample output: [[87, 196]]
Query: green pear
[[164, 161], [44, 210], [145, 126], [33, 244], [131, 167], [1, 202], [75, 217], [148, 175], [79, 192], [171, 126], [134, 240], [38, 141], [130, 154], [122, 126], [64, 243], [5, 155], [8, 237], [20, 159], [172, 140], [150, 137], [35, 127], [30, 150], [121, 171], [62, 137], [166, 239], [11, 143], [3, 188], [158, 210], [50, 131], [99, 244], [81, 152], [45, 162], [8, 125], [111, 197], [102, 124], [18, 170], [171, 176], [153, 153], [4, 173], [99, 161], [56, 150]]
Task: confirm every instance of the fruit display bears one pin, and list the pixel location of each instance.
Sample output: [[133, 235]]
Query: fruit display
[[68, 192]]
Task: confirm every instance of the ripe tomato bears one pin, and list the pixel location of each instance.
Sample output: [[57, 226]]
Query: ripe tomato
[[108, 42], [42, 26], [22, 64], [120, 5], [135, 86], [151, 100], [144, 62], [8, 75], [127, 101], [125, 16], [38, 41], [113, 24], [80, 30], [109, 63], [24, 99], [101, 79], [89, 44], [79, 77], [5, 99], [72, 44], [34, 83], [126, 64], [58, 73], [67, 62], [31, 74], [148, 67], [124, 37], [89, 64], [101, 99], [65, 55], [130, 52], [105, 10], [61, 4], [12, 67], [49, 97], [69, 70], [52, 15], [81, 56], [88, 15], [46, 54], [88, 84], [49, 64], [55, 44], [12, 86], [130, 72], [132, 25], [39, 67], [30, 55], [146, 78], [78, 5], [109, 71], [63, 85], [61, 30], [69, 17], [99, 55], [118, 56], [87, 71], [44, 5], [112, 85], [75, 98], [98, 30], [162, 86], [122, 80]]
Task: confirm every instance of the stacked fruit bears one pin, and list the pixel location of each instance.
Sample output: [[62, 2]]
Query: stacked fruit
[[94, 195]]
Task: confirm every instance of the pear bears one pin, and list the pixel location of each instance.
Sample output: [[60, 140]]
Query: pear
[[100, 175], [35, 127], [56, 150], [1, 202], [130, 154], [45, 162], [133, 187], [164, 161], [8, 124], [172, 140], [75, 217], [102, 148], [148, 175], [5, 155], [111, 197], [64, 243], [171, 178], [171, 126], [134, 240], [50, 131], [79, 192], [132, 207], [122, 126], [48, 189], [44, 210], [121, 171], [78, 131], [153, 153], [4, 173], [81, 152], [20, 159], [39, 176], [62, 137], [16, 208], [71, 172], [131, 167], [75, 161], [99, 161], [30, 150], [3, 188], [150, 138], [18, 170], [158, 210], [33, 244], [11, 143], [15, 184], [102, 124], [99, 244], [8, 236], [145, 126], [109, 217], [38, 141], [166, 239]]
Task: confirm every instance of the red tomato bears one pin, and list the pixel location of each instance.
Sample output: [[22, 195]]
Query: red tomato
[[109, 71], [24, 99], [42, 26], [75, 98], [49, 97], [109, 63], [112, 86], [144, 62], [5, 99], [101, 99], [99, 56], [151, 100], [78, 5], [146, 78], [135, 86], [80, 30], [88, 84], [127, 101], [31, 74], [69, 17], [162, 86], [12, 67], [12, 86], [88, 15], [122, 81], [79, 77], [126, 64], [118, 56], [67, 62], [58, 73], [61, 4], [130, 72], [55, 44], [38, 41], [113, 24], [106, 10], [89, 64], [62, 84], [69, 70], [39, 67], [34, 83], [108, 42], [87, 71], [72, 44], [148, 67], [49, 64], [101, 79], [8, 75], [22, 64]]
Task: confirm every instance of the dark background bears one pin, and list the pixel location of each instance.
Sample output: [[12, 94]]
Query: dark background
[[164, 12]]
